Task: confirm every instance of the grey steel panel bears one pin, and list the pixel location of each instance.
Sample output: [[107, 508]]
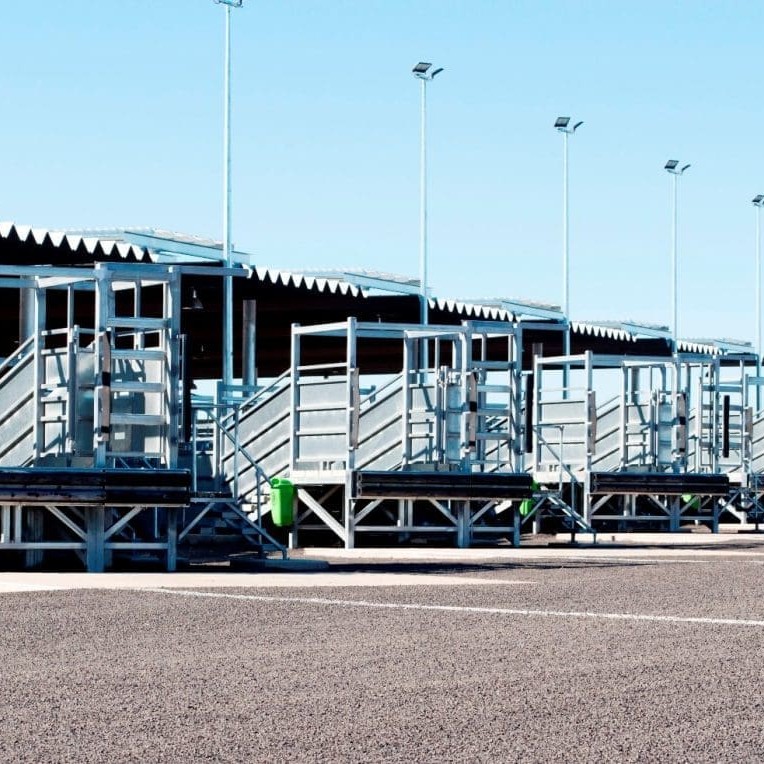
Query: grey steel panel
[[17, 414]]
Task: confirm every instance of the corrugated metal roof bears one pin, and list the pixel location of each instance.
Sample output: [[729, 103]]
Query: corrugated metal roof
[[471, 310], [393, 283], [288, 278], [522, 307], [720, 346], [602, 329], [54, 247], [62, 246]]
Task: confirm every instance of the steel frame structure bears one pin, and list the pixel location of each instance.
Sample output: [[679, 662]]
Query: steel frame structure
[[453, 418], [683, 416]]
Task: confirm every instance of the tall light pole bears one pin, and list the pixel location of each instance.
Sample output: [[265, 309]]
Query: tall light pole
[[227, 280], [562, 124], [422, 72], [758, 203], [672, 167]]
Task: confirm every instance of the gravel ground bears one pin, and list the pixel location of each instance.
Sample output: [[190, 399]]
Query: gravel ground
[[96, 676]]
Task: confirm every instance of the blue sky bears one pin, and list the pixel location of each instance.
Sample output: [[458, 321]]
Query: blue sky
[[113, 117]]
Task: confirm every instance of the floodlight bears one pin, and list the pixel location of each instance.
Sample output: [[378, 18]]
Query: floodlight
[[577, 125], [686, 167], [561, 122], [437, 71], [232, 3]]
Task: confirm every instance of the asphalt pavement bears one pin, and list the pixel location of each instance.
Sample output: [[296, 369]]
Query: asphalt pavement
[[654, 656]]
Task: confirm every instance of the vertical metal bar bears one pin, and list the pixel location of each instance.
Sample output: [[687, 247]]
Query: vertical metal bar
[[249, 339], [139, 336], [674, 264], [72, 350], [463, 524], [38, 371], [70, 306], [515, 525], [565, 265], [535, 422], [236, 453], [624, 419], [294, 414], [406, 413], [5, 525], [194, 451], [351, 392], [726, 426], [217, 446], [172, 368], [423, 211], [565, 231], [172, 538], [103, 312], [757, 209], [227, 280], [94, 521], [27, 323]]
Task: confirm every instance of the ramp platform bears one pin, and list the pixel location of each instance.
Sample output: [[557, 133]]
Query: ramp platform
[[95, 487], [661, 483], [370, 484]]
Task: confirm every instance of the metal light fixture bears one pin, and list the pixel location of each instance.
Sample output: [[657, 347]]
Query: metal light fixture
[[195, 304], [672, 167]]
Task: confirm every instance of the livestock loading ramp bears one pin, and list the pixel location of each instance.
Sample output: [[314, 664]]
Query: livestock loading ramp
[[419, 436]]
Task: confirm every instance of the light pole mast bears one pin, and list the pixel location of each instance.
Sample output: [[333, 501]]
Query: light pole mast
[[562, 126], [422, 72], [758, 203], [672, 167], [227, 280]]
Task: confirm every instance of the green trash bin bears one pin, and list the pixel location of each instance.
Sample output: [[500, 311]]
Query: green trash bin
[[526, 505], [691, 502], [282, 500]]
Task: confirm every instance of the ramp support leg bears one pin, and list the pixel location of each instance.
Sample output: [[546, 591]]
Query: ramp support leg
[[5, 524], [172, 539], [33, 531], [463, 524], [674, 514], [349, 521], [515, 525], [94, 520]]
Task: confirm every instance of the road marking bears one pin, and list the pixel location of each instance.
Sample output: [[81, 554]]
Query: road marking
[[9, 587], [463, 608]]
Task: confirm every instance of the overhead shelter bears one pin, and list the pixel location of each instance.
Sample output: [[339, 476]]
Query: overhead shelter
[[268, 301]]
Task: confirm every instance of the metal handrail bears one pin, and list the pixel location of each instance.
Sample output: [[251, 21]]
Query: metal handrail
[[260, 473], [247, 403], [16, 355], [372, 396]]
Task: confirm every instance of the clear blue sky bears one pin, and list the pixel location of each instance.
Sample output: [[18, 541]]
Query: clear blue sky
[[112, 116]]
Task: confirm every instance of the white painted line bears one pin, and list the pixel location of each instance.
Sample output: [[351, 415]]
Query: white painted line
[[9, 587], [463, 608]]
